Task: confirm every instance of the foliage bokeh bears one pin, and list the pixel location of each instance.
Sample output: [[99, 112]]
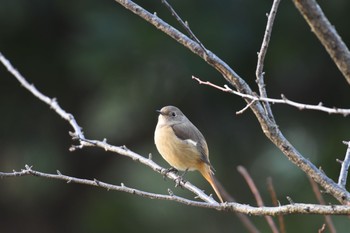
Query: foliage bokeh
[[112, 70]]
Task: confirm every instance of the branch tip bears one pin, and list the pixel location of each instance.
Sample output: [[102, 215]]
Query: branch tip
[[290, 200], [171, 193]]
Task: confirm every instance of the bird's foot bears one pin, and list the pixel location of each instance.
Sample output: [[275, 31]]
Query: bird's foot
[[179, 181], [171, 169]]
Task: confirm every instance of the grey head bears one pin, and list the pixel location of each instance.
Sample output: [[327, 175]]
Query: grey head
[[171, 115]]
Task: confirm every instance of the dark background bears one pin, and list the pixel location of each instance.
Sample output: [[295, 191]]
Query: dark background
[[112, 70]]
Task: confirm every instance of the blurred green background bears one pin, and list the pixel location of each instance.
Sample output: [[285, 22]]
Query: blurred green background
[[112, 70]]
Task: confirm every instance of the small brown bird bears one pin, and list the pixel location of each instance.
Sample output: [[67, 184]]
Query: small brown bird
[[182, 145]]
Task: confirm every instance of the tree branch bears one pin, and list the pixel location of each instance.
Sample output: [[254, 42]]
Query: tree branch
[[295, 208], [122, 188], [326, 33], [52, 102], [284, 100], [275, 202], [258, 198], [320, 200], [261, 57], [183, 24], [344, 167]]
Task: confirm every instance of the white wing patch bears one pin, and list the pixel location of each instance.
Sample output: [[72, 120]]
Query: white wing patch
[[189, 141]]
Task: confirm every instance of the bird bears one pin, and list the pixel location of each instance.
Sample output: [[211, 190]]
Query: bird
[[183, 146]]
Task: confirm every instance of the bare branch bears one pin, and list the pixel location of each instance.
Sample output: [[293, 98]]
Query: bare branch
[[183, 24], [122, 188], [344, 167], [283, 100], [52, 102], [320, 199], [257, 196], [296, 208], [276, 203], [322, 229], [327, 34], [261, 57], [246, 107]]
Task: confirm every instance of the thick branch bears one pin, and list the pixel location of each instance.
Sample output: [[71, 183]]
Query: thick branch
[[327, 34], [296, 208]]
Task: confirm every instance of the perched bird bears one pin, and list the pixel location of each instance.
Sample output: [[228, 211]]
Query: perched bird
[[183, 146]]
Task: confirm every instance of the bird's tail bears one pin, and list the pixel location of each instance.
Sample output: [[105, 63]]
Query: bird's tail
[[215, 184]]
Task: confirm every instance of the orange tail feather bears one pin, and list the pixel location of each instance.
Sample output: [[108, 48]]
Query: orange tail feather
[[209, 176]]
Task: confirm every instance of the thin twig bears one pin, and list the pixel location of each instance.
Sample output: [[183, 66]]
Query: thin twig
[[184, 25], [322, 229], [320, 200], [257, 196], [261, 57], [344, 167], [245, 108], [28, 170], [283, 100], [276, 203], [296, 208]]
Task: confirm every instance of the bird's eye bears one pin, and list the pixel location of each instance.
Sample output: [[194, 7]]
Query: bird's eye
[[173, 114]]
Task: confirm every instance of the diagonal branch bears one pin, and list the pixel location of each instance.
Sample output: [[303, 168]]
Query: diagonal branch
[[320, 199], [257, 196], [52, 102], [327, 34], [275, 202]]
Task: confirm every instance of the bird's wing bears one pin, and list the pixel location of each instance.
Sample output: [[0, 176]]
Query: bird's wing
[[192, 135]]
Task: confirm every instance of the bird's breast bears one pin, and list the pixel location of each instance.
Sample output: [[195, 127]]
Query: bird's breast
[[180, 154]]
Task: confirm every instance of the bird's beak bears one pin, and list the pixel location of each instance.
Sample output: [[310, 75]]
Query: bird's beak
[[160, 112]]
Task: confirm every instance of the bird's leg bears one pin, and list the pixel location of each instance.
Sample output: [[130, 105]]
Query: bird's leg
[[171, 169], [181, 179]]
